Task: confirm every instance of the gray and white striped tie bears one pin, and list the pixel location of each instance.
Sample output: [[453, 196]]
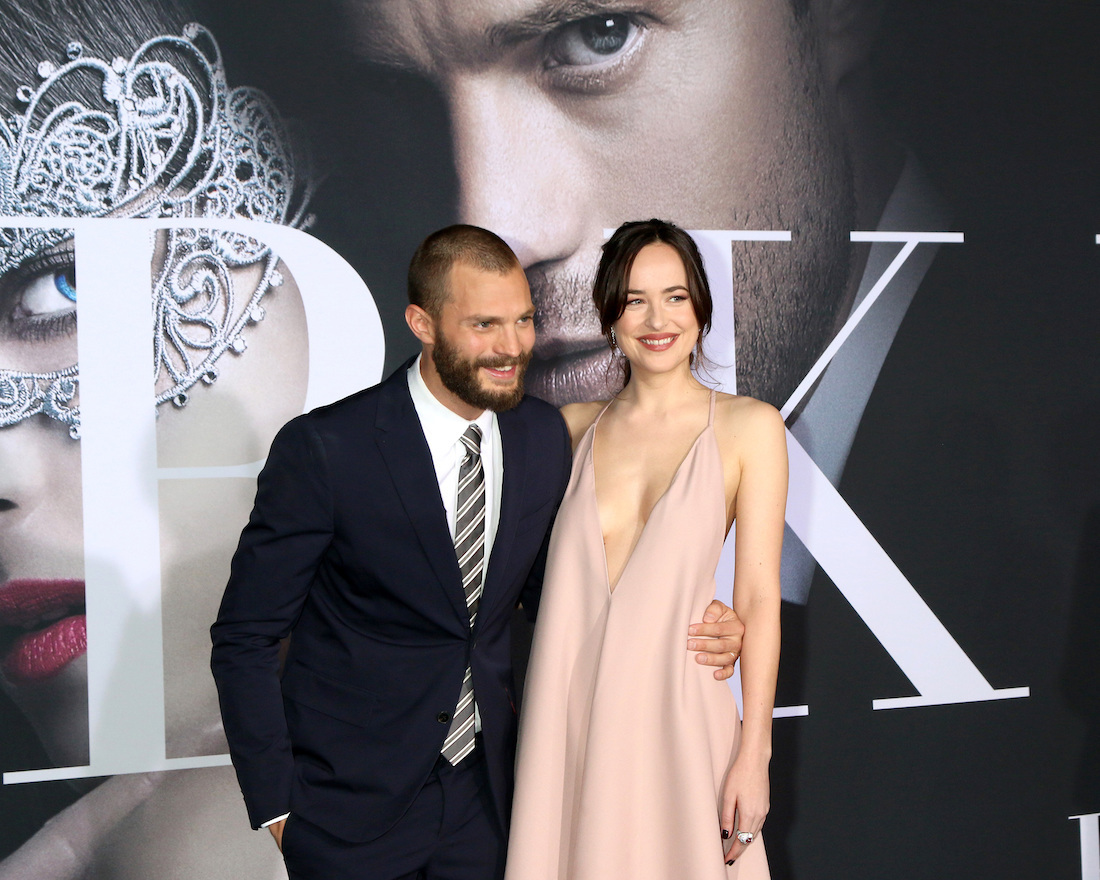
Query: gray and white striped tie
[[470, 549]]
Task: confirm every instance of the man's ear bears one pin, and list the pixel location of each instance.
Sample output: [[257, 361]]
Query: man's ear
[[421, 323], [846, 31]]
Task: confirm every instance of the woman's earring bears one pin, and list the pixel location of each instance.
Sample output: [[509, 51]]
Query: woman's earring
[[614, 342]]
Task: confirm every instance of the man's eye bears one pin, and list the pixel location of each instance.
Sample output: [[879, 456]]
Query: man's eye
[[593, 40]]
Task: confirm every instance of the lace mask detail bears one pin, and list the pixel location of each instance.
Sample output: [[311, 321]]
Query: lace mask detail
[[168, 139]]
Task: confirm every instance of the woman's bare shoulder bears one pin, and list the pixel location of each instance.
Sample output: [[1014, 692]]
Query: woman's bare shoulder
[[580, 416], [746, 422]]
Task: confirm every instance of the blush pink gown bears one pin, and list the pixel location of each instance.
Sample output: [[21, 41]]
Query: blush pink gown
[[624, 739]]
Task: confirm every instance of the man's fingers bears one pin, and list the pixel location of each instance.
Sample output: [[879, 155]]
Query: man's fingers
[[718, 641], [276, 829], [724, 629], [714, 653], [724, 661], [715, 611]]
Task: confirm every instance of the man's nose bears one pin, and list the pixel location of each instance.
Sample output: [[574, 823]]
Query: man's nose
[[508, 342], [517, 173]]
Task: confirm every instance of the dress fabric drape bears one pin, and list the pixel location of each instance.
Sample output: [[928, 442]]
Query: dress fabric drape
[[624, 739]]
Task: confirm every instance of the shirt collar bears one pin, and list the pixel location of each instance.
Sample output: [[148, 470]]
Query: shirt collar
[[442, 427]]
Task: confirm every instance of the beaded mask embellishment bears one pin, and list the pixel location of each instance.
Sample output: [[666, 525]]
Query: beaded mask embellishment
[[168, 139]]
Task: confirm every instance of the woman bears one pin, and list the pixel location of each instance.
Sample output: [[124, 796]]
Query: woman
[[122, 109], [639, 767]]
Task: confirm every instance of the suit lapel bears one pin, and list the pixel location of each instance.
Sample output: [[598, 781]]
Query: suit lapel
[[404, 449], [513, 440]]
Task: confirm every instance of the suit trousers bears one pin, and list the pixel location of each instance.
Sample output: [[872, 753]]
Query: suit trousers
[[449, 832]]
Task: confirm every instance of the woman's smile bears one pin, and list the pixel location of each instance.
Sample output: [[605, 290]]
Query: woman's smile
[[659, 341]]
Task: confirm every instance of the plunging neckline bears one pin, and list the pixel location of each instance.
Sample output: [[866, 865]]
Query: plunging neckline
[[591, 464]]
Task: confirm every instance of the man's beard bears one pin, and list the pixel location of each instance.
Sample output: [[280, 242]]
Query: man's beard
[[461, 377]]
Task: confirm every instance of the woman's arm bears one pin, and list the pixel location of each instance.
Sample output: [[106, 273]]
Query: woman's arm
[[755, 440]]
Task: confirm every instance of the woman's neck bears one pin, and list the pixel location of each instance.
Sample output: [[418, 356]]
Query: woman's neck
[[659, 392]]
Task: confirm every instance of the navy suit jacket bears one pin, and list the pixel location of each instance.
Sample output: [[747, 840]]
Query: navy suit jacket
[[348, 552]]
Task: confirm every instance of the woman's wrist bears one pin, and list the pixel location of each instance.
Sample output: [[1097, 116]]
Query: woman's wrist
[[758, 754]]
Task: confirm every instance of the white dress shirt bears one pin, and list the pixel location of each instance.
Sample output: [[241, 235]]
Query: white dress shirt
[[443, 429]]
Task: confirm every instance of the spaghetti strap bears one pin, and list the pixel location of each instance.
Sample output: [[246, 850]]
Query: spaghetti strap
[[710, 418], [606, 407]]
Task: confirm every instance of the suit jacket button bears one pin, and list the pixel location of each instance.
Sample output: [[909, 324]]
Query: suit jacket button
[[443, 717]]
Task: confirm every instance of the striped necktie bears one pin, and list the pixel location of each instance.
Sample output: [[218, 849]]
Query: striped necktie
[[470, 549]]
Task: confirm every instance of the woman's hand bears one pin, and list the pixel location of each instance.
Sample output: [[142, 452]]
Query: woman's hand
[[745, 802]]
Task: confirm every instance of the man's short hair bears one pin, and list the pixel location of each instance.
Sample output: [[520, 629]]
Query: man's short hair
[[432, 262]]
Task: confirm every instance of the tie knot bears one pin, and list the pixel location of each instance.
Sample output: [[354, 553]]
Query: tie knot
[[471, 439]]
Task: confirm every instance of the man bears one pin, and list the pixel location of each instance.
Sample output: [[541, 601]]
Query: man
[[392, 536]]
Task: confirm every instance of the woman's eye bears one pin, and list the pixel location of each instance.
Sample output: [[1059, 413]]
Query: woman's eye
[[594, 40], [38, 299], [47, 292]]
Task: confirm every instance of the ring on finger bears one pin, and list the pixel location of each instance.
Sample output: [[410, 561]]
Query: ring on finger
[[744, 837]]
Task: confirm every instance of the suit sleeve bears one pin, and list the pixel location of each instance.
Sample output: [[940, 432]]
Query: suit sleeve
[[280, 550], [531, 594]]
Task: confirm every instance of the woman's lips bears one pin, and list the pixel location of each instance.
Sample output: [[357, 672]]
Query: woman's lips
[[658, 341], [42, 633]]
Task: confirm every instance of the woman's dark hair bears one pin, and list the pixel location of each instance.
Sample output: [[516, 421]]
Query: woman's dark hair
[[39, 30], [609, 292]]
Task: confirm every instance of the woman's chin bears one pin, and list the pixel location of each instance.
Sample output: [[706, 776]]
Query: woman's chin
[[57, 708]]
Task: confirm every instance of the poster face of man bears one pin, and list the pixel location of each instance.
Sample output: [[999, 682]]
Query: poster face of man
[[568, 119]]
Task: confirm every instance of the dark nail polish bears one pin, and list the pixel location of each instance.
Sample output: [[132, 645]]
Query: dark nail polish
[[725, 834], [731, 861]]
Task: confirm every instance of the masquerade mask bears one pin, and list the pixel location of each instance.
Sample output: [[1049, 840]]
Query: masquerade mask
[[165, 137]]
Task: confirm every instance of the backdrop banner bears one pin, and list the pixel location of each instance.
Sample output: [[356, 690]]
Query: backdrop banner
[[898, 208]]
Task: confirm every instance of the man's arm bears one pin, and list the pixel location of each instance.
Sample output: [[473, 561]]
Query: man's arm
[[531, 592], [279, 552]]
